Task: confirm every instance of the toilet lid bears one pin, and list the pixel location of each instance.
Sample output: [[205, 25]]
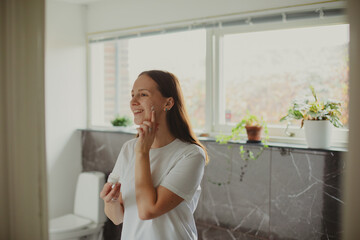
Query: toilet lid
[[68, 223]]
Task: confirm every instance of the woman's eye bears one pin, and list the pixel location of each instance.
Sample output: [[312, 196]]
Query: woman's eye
[[139, 95]]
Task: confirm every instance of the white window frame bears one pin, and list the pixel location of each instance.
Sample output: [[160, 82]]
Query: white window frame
[[214, 101], [215, 90]]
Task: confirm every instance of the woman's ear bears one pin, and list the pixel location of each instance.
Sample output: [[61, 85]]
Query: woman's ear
[[169, 103]]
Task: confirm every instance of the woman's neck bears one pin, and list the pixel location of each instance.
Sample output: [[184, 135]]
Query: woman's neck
[[163, 137]]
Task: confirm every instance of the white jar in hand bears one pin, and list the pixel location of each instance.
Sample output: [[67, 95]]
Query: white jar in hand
[[113, 178]]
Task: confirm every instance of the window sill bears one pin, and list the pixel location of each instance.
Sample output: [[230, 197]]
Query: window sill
[[272, 143], [277, 134], [280, 145], [128, 130]]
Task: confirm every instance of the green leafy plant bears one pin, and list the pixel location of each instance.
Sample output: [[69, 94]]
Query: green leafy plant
[[240, 129], [314, 109], [237, 133], [121, 121]]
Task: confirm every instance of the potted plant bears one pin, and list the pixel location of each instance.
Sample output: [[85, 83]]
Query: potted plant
[[317, 117], [253, 126], [121, 121]]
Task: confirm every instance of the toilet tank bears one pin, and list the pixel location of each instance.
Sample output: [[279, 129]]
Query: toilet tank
[[88, 203]]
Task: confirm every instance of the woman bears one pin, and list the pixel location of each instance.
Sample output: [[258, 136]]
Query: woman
[[161, 170]]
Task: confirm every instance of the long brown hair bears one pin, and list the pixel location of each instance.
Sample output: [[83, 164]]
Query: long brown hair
[[177, 118]]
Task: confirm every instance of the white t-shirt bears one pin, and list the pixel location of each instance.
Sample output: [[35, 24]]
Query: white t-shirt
[[179, 167]]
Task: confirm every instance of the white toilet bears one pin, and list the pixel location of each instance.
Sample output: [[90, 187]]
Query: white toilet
[[88, 218]]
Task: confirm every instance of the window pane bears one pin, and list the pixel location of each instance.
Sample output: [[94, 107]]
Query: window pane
[[264, 71], [116, 65]]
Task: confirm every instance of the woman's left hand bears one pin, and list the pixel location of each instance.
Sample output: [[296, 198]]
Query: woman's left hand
[[147, 131]]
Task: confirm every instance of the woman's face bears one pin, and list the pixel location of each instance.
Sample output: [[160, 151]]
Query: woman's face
[[145, 95]]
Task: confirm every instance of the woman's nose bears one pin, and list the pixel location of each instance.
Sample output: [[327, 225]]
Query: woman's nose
[[134, 101]]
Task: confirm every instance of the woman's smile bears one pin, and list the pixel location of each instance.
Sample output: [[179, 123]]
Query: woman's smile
[[137, 111]]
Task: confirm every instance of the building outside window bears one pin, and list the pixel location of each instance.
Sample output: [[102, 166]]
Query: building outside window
[[115, 65]]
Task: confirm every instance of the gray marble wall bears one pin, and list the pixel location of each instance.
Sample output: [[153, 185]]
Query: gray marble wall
[[287, 193]]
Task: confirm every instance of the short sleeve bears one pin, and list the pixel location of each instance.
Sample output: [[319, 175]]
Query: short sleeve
[[119, 168], [185, 177]]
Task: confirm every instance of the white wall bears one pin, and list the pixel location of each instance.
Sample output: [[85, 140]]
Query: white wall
[[65, 82], [114, 15]]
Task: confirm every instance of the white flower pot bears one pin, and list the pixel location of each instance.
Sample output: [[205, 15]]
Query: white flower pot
[[318, 133]]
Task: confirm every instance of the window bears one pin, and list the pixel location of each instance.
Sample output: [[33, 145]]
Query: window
[[228, 69], [115, 65], [264, 70]]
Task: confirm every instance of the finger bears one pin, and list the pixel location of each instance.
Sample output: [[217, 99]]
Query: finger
[[148, 126], [140, 131], [153, 116], [112, 194], [106, 189], [107, 198], [144, 127], [147, 123], [117, 191]]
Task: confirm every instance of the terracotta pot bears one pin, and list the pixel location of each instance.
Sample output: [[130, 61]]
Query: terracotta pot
[[253, 133]]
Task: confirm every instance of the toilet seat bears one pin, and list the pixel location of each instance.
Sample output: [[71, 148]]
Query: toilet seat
[[71, 226], [68, 223], [88, 217]]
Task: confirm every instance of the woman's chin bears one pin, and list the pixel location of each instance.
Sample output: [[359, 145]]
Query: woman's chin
[[138, 121]]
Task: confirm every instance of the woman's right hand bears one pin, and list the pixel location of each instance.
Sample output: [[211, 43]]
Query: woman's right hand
[[109, 194], [114, 208]]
